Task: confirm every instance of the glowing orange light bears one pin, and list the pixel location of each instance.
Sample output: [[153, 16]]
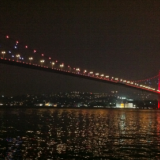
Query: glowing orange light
[[159, 89]]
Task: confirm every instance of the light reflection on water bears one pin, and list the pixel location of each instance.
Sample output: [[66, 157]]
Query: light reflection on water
[[79, 134]]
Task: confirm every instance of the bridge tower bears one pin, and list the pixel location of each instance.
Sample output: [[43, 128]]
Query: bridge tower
[[159, 89]]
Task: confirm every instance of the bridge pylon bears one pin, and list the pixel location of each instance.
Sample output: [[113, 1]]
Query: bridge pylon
[[159, 89]]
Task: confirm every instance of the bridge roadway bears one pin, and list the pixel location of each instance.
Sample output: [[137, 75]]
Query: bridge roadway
[[59, 71]]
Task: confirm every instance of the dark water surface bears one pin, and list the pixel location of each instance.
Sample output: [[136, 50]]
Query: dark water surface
[[79, 134]]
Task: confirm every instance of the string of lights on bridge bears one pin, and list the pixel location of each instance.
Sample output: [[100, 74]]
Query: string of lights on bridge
[[55, 65]]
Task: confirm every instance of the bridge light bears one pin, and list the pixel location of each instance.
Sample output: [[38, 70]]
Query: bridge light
[[3, 53], [85, 71], [17, 55], [34, 51], [42, 61], [52, 64], [77, 69], [30, 59], [62, 65], [7, 36], [102, 75], [26, 46], [91, 73]]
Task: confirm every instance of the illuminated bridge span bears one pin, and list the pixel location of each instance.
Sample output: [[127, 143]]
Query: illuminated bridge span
[[15, 53], [79, 74]]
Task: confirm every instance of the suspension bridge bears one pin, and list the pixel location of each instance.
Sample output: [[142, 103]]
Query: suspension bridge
[[16, 53]]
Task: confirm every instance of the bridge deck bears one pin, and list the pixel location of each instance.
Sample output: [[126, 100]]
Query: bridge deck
[[74, 74]]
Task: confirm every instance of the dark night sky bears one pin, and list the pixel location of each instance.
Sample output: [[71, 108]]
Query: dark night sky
[[119, 38]]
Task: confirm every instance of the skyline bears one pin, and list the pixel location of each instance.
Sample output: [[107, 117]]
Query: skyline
[[119, 39]]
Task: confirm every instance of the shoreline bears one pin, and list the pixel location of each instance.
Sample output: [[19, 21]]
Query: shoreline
[[40, 107]]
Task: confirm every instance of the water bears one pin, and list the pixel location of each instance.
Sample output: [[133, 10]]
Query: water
[[79, 134]]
